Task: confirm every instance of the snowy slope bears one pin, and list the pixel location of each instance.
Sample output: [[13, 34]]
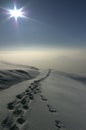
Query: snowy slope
[[54, 101], [67, 93], [9, 95], [11, 74]]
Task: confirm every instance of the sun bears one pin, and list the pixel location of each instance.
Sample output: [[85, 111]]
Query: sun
[[16, 13]]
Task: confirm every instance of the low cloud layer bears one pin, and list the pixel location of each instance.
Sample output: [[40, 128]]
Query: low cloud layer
[[71, 60]]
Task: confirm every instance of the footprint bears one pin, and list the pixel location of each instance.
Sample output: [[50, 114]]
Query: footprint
[[23, 101], [31, 96], [11, 106], [43, 98], [18, 112], [35, 92], [21, 120], [27, 90], [19, 96], [14, 127], [7, 122], [25, 106], [31, 84], [35, 85], [51, 109], [32, 88], [59, 125], [37, 89]]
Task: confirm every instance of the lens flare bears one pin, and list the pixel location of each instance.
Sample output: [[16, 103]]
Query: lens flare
[[16, 13]]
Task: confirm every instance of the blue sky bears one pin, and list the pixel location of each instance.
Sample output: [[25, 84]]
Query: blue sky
[[56, 23], [53, 36]]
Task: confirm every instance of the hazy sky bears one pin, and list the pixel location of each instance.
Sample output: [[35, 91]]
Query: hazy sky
[[54, 35]]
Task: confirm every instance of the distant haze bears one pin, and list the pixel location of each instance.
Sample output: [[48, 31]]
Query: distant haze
[[71, 60]]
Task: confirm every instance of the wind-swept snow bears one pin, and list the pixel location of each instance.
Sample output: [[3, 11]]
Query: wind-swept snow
[[68, 96], [11, 74], [51, 101]]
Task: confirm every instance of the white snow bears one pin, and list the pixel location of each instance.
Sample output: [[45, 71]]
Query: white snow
[[68, 96], [64, 94]]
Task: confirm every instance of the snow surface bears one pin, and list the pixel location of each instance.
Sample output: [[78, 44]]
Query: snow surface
[[59, 98], [68, 96], [11, 74]]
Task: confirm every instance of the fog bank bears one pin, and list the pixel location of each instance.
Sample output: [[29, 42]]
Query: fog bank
[[71, 60]]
